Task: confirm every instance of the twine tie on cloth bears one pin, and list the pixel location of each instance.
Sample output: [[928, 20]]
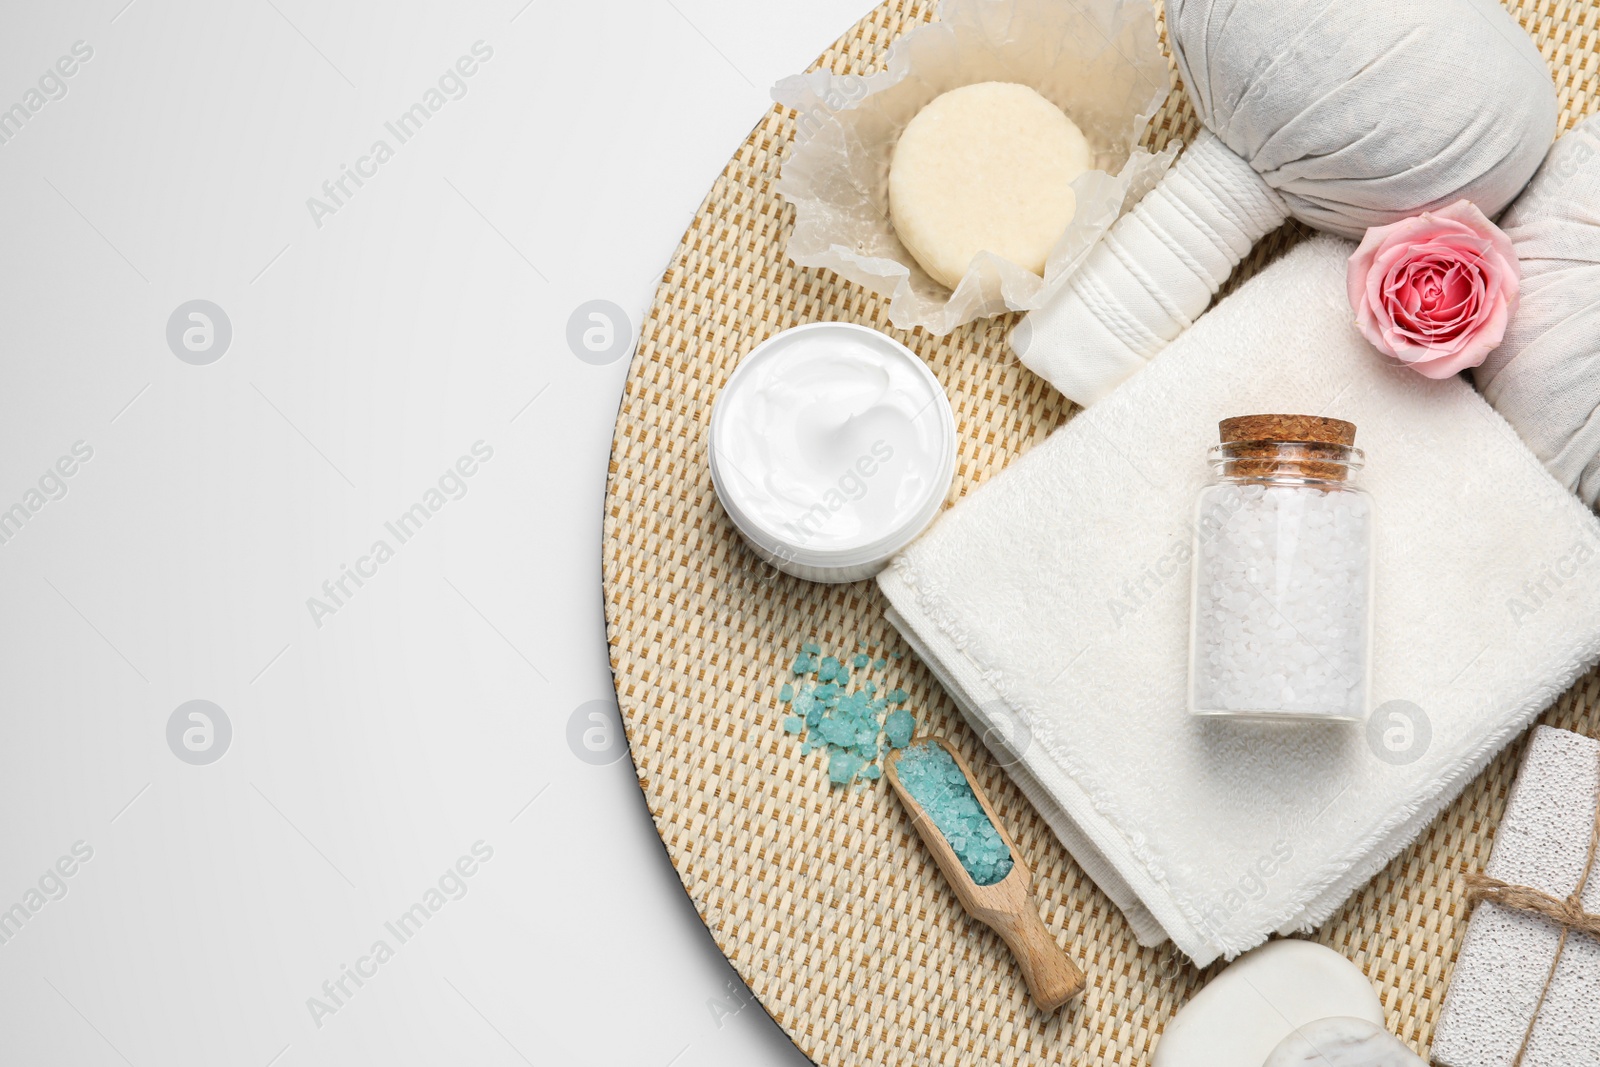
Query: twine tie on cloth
[[1568, 913]]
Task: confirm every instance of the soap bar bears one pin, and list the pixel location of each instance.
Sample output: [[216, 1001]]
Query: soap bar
[[1249, 1009], [985, 168], [1342, 1042]]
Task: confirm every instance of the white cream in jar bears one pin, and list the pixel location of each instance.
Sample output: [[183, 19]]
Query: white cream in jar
[[832, 448]]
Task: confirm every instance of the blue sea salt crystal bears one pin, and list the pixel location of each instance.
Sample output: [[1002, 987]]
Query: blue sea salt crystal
[[898, 727], [854, 726], [898, 696], [843, 766], [933, 780], [837, 732]]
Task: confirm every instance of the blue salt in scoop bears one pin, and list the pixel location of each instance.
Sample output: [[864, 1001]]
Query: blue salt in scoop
[[980, 862], [930, 775]]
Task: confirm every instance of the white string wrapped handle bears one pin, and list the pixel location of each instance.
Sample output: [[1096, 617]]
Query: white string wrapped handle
[[1153, 274]]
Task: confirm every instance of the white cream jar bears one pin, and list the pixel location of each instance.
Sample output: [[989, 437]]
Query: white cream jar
[[832, 448]]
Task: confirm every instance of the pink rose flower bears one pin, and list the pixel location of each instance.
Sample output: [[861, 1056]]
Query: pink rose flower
[[1435, 291]]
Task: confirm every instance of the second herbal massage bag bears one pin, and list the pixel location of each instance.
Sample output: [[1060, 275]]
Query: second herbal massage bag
[[1545, 377], [1343, 113]]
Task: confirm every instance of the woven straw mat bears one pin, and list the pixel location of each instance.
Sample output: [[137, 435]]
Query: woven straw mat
[[825, 900]]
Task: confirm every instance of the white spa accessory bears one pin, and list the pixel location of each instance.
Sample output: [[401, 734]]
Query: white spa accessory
[[1053, 603], [1336, 1042], [1099, 61], [1344, 114], [1506, 957], [1545, 377], [1281, 623], [1260, 999], [832, 447]]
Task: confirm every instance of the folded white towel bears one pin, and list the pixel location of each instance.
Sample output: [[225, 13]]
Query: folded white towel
[[1054, 604], [1543, 843]]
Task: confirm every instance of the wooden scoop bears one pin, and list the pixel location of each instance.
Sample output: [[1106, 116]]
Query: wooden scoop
[[1007, 907]]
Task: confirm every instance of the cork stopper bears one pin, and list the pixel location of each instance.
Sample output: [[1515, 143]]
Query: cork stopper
[[1307, 447], [1305, 429]]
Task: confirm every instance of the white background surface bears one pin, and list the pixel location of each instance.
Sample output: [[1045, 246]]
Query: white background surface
[[431, 710]]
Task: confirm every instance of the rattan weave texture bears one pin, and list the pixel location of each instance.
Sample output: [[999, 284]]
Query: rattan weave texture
[[825, 900]]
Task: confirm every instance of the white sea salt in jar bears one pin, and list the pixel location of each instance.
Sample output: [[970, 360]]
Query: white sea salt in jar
[[1281, 613]]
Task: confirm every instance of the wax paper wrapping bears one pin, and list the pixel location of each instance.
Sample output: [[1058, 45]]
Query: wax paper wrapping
[[1100, 61], [1542, 843]]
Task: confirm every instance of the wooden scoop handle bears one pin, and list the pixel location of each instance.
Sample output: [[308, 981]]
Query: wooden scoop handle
[[1052, 977]]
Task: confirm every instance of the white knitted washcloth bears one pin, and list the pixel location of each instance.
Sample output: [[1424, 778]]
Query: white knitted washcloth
[[1542, 843], [1053, 602]]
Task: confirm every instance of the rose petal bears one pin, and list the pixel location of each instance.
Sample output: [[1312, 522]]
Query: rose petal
[[1436, 290]]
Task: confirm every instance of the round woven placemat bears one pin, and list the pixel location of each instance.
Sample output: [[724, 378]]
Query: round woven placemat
[[824, 899]]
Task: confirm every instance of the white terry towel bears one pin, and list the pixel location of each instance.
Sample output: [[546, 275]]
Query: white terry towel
[[1543, 843], [1053, 603]]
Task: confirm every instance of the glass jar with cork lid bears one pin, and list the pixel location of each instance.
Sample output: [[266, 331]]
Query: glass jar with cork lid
[[1281, 609]]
